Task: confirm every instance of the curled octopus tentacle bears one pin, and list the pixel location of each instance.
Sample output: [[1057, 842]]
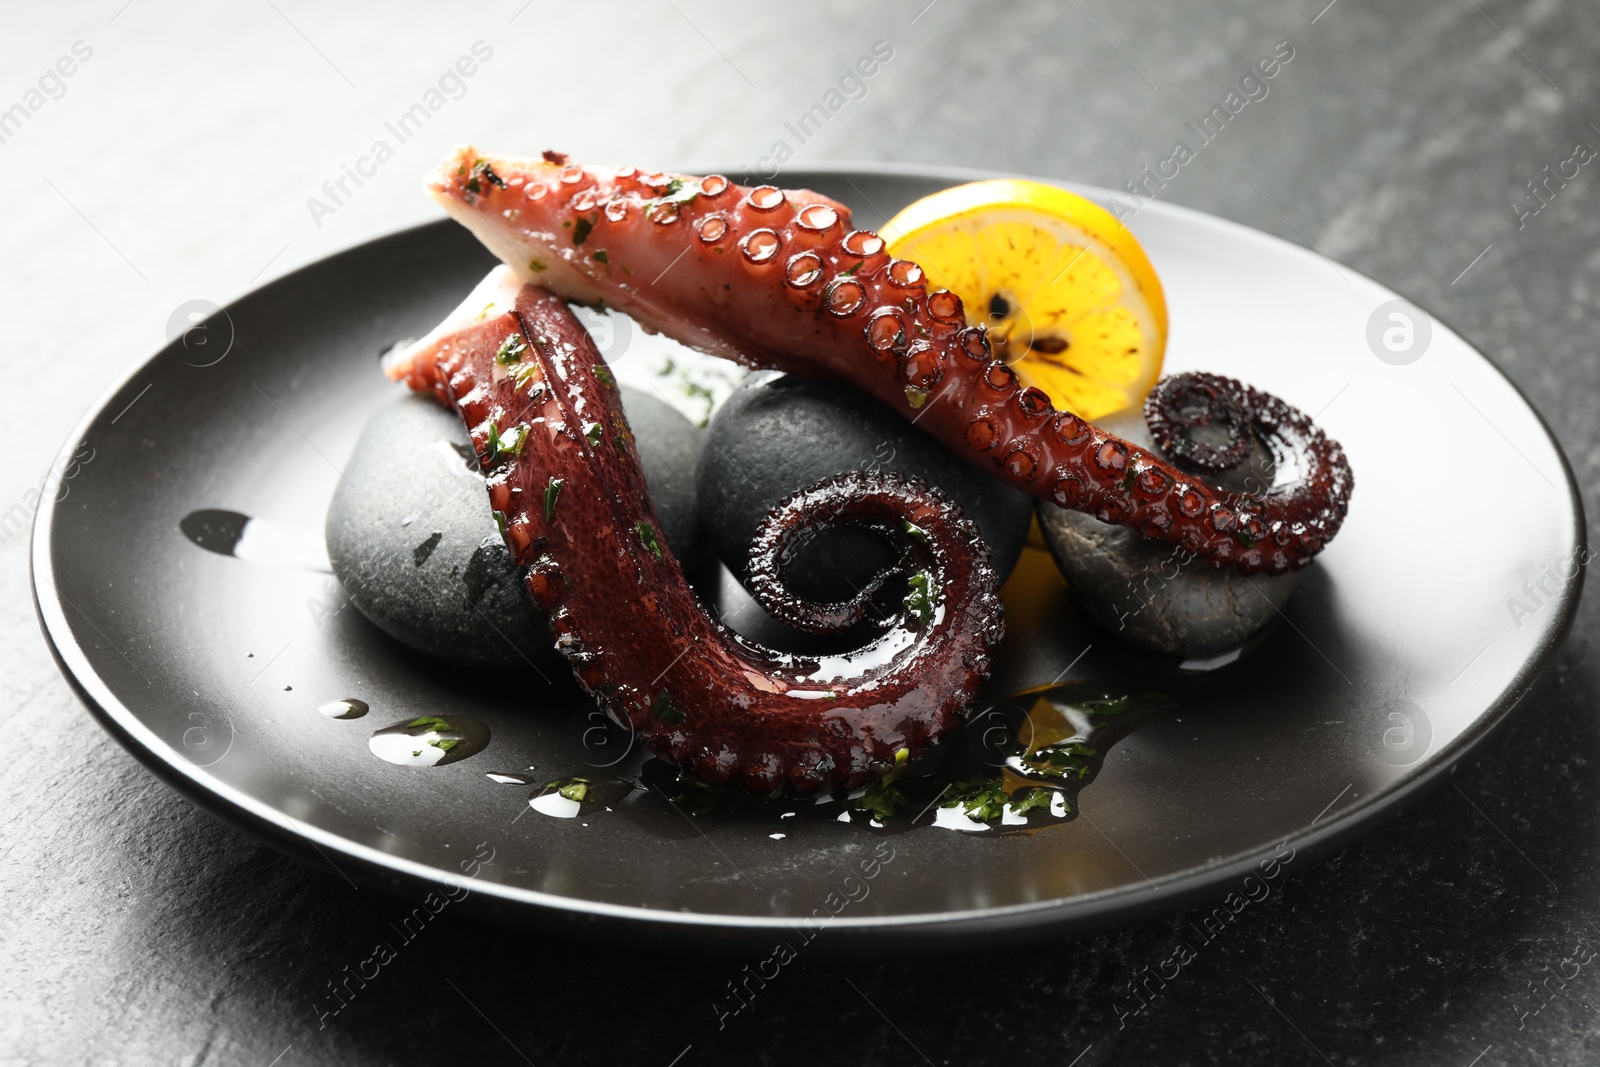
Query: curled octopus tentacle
[[782, 279], [565, 483], [1183, 403], [899, 507]]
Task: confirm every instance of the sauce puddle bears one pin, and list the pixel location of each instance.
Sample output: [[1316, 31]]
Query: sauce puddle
[[229, 533], [1017, 766]]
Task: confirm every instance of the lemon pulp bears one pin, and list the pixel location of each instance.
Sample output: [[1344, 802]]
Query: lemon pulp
[[1070, 298]]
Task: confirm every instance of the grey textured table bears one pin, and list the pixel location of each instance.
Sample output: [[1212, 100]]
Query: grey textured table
[[175, 162]]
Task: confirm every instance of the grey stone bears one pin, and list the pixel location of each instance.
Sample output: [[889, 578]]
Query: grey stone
[[669, 451], [1150, 593], [779, 433], [413, 541]]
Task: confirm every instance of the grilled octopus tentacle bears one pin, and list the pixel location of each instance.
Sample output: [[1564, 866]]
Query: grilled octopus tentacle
[[566, 485], [780, 278]]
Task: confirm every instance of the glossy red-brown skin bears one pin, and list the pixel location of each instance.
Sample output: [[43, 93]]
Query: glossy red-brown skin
[[632, 628], [778, 278]]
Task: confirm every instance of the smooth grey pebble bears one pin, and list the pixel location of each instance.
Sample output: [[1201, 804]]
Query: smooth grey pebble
[[414, 543], [778, 433], [1143, 592]]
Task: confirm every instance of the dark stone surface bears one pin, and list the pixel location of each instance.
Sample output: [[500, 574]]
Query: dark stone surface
[[137, 929], [413, 542], [1144, 593], [777, 434], [1152, 594], [669, 451]]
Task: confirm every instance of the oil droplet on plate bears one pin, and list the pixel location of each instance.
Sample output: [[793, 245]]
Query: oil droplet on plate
[[228, 533], [955, 818], [429, 741], [347, 708], [567, 798], [555, 805], [1211, 663]]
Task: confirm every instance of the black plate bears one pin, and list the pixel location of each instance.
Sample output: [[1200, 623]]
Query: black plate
[[1413, 637]]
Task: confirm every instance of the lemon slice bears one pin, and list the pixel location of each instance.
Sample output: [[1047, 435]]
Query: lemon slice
[[1071, 300]]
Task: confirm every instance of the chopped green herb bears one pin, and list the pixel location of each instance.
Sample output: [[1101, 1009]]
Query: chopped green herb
[[572, 788], [500, 521], [852, 270], [523, 373], [593, 433], [665, 710], [602, 374], [1102, 707], [983, 801], [916, 397], [552, 490], [914, 530], [647, 537], [600, 256], [536, 265], [881, 800], [500, 445], [445, 744], [581, 230], [920, 600], [883, 797], [1062, 763], [680, 192], [511, 350], [1244, 539], [698, 391], [621, 444], [428, 722], [1033, 798]]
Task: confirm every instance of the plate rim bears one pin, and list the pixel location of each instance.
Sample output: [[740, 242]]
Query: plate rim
[[935, 931]]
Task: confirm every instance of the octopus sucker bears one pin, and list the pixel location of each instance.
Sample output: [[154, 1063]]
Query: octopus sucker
[[782, 279], [571, 502]]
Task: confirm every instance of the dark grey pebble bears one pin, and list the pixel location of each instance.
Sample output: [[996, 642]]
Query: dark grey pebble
[[778, 433], [413, 541], [1147, 592]]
